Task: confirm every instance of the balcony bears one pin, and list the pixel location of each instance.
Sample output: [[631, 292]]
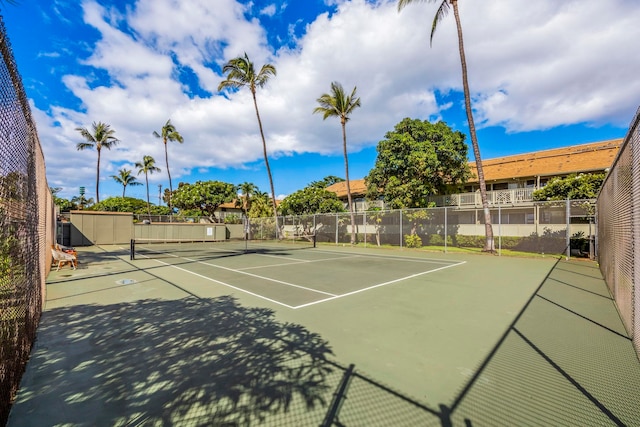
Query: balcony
[[511, 197]]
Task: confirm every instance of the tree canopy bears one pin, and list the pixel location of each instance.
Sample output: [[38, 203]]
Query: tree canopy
[[311, 200], [203, 197], [574, 187], [418, 159], [128, 204], [326, 181]]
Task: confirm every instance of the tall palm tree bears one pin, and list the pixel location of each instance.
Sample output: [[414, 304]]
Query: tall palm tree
[[101, 136], [241, 73], [339, 104], [168, 133], [125, 178], [147, 166], [443, 9]]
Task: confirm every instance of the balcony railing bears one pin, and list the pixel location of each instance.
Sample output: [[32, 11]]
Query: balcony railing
[[498, 197]]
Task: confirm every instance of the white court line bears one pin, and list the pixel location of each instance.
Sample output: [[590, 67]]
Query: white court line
[[295, 263], [395, 257], [260, 277], [280, 256], [332, 296], [377, 286], [224, 284], [249, 274]]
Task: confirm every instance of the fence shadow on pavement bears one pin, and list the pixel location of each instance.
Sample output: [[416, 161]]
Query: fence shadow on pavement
[[565, 360]]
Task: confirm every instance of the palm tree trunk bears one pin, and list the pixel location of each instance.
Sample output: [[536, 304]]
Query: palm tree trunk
[[166, 156], [98, 178], [346, 171], [146, 178], [489, 245], [266, 162]]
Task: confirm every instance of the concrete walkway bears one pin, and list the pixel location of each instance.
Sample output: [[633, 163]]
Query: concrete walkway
[[118, 345]]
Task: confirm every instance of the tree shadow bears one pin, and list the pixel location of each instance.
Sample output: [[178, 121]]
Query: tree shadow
[[153, 362]]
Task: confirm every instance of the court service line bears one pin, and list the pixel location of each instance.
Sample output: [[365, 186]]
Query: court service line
[[224, 284], [260, 277], [395, 257], [378, 285], [295, 263], [280, 256]]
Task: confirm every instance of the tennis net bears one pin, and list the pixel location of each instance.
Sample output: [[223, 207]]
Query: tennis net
[[181, 248]]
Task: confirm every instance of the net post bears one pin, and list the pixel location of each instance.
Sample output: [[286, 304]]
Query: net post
[[314, 239], [132, 250]]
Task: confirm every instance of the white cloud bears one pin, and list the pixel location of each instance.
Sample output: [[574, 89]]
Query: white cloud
[[531, 66], [269, 10]]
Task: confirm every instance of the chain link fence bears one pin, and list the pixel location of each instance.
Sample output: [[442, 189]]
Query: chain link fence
[[26, 228], [558, 227], [619, 230]]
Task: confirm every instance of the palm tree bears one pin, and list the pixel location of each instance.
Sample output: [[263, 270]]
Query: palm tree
[[147, 166], [247, 191], [241, 73], [443, 9], [125, 178], [168, 133], [338, 104], [101, 136]]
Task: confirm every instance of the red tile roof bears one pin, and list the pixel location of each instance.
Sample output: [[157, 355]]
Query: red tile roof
[[592, 157], [357, 186]]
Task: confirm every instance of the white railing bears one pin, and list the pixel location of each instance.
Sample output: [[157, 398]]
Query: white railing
[[498, 197]]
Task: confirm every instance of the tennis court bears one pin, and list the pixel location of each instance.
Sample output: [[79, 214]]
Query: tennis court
[[291, 335], [288, 274]]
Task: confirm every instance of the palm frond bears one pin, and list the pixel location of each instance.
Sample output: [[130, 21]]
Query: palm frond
[[440, 14]]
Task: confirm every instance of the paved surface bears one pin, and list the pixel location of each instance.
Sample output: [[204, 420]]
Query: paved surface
[[493, 341]]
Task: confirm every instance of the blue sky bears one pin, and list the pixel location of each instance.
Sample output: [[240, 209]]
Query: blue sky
[[543, 74]]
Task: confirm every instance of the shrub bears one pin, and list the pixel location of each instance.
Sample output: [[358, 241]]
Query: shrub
[[412, 241]]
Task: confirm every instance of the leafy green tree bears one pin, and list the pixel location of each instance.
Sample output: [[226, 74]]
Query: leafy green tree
[[311, 200], [121, 204], [416, 160], [125, 178], [148, 166], [443, 9], [100, 136], [64, 204], [168, 133], [574, 187], [241, 72], [261, 206], [327, 181], [339, 104], [204, 197]]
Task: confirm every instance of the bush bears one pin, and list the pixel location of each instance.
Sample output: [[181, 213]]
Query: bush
[[232, 219], [470, 241], [412, 241], [438, 240]]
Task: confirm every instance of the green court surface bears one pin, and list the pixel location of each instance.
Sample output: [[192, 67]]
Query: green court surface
[[214, 336]]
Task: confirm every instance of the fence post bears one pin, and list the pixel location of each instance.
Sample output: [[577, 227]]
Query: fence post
[[400, 210], [364, 225], [499, 230], [336, 229], [568, 216], [445, 230]]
